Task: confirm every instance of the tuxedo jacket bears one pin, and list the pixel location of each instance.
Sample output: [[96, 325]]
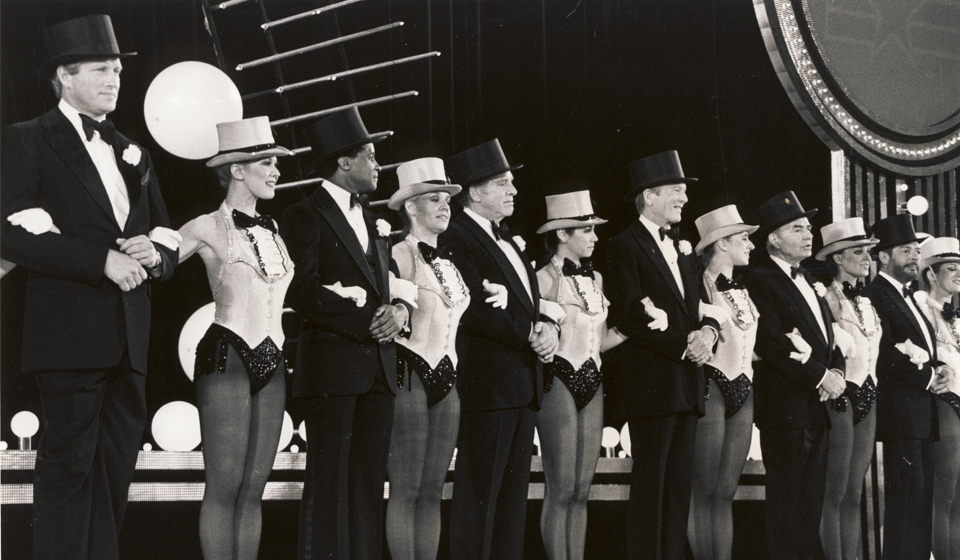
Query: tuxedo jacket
[[647, 376], [497, 368], [785, 390], [905, 408], [336, 354], [75, 317]]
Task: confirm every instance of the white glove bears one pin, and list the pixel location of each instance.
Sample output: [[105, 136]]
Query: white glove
[[34, 220], [356, 293], [167, 237], [917, 355], [497, 293], [845, 342], [659, 316], [720, 314], [402, 289], [553, 310], [803, 349]]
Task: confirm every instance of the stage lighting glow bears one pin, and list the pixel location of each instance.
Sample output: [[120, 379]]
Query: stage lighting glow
[[148, 446], [193, 330], [294, 448], [611, 437], [3, 446], [176, 426], [24, 424], [917, 205], [625, 439], [286, 432]]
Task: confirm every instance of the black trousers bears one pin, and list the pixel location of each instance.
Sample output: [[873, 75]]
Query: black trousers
[[662, 450], [92, 426], [908, 499], [348, 441], [796, 469], [488, 514]]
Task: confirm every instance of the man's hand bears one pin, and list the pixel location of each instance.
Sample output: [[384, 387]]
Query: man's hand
[[388, 321], [942, 382], [544, 340], [123, 270], [832, 386], [699, 346], [141, 249]]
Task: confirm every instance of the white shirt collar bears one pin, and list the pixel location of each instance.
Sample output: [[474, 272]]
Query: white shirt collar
[[340, 195], [896, 283], [784, 265], [653, 227], [73, 115], [483, 222]]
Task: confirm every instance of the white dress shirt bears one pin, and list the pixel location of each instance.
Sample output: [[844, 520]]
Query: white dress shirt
[[105, 159], [668, 249], [507, 249], [806, 290], [353, 215], [916, 315]]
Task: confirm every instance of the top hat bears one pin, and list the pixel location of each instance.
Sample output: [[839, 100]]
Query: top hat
[[720, 223], [338, 133], [420, 176], [88, 37], [939, 250], [844, 235], [569, 210], [779, 210], [246, 140], [654, 171], [479, 163], [895, 230]]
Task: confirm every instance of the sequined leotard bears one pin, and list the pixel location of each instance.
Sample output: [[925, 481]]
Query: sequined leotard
[[858, 318], [948, 345], [731, 367]]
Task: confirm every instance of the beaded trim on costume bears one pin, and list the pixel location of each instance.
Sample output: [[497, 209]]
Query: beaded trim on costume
[[272, 256], [590, 296], [261, 362], [453, 291], [867, 319]]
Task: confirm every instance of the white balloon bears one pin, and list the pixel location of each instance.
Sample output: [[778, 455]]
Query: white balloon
[[193, 330], [184, 104], [286, 432], [176, 426], [24, 424]]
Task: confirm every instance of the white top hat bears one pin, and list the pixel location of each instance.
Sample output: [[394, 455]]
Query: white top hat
[[420, 176], [247, 140], [844, 235], [720, 223], [570, 210], [939, 250]]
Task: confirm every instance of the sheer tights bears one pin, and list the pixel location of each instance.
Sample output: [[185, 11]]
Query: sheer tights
[[570, 443], [850, 449], [946, 485], [420, 451], [240, 437], [718, 459]]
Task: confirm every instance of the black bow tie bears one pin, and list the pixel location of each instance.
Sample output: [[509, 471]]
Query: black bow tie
[[585, 268], [852, 291], [500, 231], [724, 283], [431, 253], [949, 313], [908, 290], [796, 271], [668, 232], [359, 199], [242, 220], [104, 127]]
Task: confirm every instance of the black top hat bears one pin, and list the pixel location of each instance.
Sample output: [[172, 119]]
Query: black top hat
[[893, 231], [654, 171], [478, 163], [89, 37], [779, 210], [337, 134]]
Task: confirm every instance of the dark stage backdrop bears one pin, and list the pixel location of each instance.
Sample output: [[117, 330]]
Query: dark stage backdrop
[[574, 90]]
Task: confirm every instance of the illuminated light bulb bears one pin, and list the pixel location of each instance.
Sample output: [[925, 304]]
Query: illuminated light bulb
[[148, 446], [24, 424], [917, 205], [294, 448], [176, 426]]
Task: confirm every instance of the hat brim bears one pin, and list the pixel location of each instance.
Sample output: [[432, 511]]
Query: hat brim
[[838, 246], [564, 223], [767, 230], [47, 70], [935, 260], [632, 195], [721, 232], [416, 189], [312, 167], [238, 157], [897, 243]]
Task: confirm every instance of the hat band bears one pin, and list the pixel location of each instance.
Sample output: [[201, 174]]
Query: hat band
[[853, 238], [436, 182], [577, 218], [945, 256], [248, 149]]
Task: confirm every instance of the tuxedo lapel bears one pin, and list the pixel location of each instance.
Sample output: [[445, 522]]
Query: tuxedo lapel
[[787, 285], [329, 210], [900, 303], [66, 143], [381, 248], [655, 255], [515, 284], [131, 174], [688, 273]]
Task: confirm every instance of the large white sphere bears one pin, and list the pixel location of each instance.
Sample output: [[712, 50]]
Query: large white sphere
[[176, 426], [190, 335]]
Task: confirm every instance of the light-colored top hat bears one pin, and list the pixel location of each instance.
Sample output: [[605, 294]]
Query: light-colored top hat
[[570, 210], [420, 176], [844, 235], [247, 140], [939, 250], [718, 224]]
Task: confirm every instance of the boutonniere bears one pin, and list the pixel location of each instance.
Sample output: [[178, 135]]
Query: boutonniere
[[684, 246], [383, 228], [818, 287], [520, 243], [132, 155]]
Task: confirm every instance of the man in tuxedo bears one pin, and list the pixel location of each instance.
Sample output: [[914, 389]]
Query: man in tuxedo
[[80, 206], [656, 378], [346, 360], [908, 378], [790, 393], [500, 376]]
